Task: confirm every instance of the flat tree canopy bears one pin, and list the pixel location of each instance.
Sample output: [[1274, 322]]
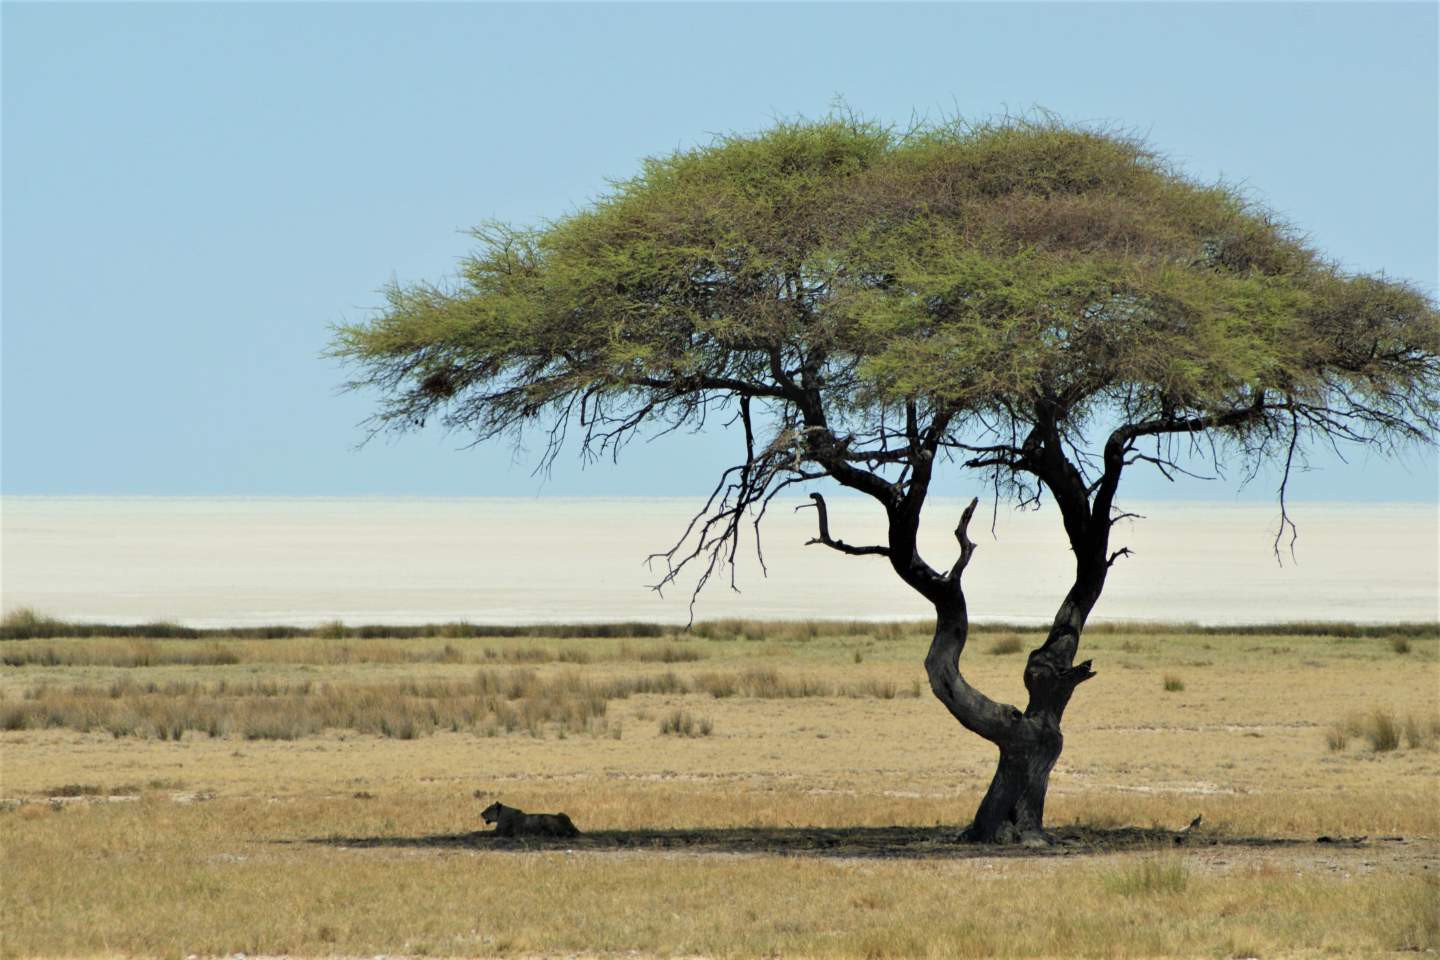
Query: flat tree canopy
[[1041, 303]]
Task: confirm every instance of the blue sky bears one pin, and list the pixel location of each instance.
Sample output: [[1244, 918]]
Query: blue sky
[[193, 194]]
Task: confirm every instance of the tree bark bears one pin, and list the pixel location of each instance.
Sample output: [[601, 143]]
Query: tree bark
[[1029, 741], [1014, 806]]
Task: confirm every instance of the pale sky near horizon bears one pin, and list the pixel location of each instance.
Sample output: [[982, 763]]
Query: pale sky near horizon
[[193, 194]]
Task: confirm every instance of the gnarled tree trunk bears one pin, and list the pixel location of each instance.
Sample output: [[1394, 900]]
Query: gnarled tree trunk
[[1030, 741]]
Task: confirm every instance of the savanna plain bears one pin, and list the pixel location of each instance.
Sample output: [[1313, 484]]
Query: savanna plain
[[744, 789]]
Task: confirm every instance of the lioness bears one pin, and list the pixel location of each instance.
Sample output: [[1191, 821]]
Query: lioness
[[510, 822]]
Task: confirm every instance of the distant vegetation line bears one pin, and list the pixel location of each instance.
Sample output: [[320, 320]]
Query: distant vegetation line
[[26, 624]]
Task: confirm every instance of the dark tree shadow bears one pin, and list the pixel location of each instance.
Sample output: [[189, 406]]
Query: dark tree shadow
[[916, 843]]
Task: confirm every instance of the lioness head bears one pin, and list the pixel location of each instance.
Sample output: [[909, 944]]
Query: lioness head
[[492, 813]]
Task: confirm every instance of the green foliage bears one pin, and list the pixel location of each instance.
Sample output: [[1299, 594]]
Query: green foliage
[[870, 303], [969, 266]]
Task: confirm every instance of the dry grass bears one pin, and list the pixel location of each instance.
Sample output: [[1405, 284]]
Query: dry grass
[[682, 723], [331, 651], [217, 845], [1149, 876], [1383, 731], [226, 877], [767, 683], [490, 702], [1007, 644], [22, 623]]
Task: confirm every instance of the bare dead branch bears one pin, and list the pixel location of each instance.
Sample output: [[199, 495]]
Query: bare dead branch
[[825, 538], [1285, 520], [962, 536]]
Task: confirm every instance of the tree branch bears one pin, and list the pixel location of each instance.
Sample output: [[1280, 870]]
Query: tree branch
[[686, 385], [827, 540], [962, 536], [1172, 424]]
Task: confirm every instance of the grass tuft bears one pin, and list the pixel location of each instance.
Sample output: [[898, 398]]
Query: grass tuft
[[664, 653], [1149, 876], [1173, 684], [1384, 731], [682, 723], [1010, 643], [1420, 733]]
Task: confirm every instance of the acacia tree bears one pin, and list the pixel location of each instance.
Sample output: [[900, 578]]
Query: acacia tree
[[1041, 304]]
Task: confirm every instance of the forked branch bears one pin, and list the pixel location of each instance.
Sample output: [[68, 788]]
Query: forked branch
[[833, 544], [962, 536]]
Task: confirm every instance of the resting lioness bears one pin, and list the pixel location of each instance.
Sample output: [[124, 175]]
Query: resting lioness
[[510, 822]]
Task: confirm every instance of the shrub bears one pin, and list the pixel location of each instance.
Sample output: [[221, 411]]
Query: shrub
[[1173, 684], [1400, 644], [26, 618]]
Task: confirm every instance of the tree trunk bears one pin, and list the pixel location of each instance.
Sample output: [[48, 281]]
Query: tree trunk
[[1029, 742], [1014, 806], [1013, 809]]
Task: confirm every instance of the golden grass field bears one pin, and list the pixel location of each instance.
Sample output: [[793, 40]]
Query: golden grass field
[[320, 796]]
